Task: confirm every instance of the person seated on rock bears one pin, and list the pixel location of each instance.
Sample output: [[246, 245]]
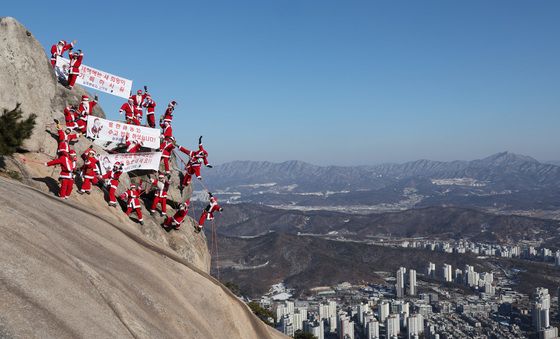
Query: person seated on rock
[[132, 146], [132, 198], [65, 178], [59, 49], [161, 186], [112, 180], [177, 219], [208, 212], [196, 159]]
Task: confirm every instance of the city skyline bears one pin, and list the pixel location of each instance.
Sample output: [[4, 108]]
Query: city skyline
[[376, 82]]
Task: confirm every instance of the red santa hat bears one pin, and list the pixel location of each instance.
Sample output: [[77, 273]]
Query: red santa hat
[[72, 152], [139, 92], [132, 186], [62, 42], [85, 98]]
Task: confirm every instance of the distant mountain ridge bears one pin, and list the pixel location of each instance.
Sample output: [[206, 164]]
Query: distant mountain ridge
[[505, 168]]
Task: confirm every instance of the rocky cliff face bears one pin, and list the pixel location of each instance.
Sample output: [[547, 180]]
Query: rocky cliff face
[[79, 268]]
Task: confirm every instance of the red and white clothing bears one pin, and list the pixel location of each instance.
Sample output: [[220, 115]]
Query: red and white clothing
[[168, 115], [167, 130], [196, 159], [160, 197], [84, 109], [75, 63], [150, 105], [90, 172], [63, 140], [128, 109], [70, 116], [133, 146], [177, 219], [208, 213], [137, 101], [132, 195], [113, 176], [166, 147], [59, 49], [66, 177]]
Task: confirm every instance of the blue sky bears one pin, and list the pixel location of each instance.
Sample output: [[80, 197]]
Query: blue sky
[[330, 82]]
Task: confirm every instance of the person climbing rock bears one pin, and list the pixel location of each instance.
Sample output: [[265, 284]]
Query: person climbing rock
[[161, 186], [177, 219], [112, 180], [65, 178], [196, 159], [208, 212], [132, 198]]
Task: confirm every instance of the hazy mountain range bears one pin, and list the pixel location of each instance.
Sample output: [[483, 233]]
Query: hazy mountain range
[[503, 181]]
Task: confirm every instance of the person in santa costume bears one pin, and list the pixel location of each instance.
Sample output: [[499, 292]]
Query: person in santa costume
[[112, 181], [137, 101], [59, 49], [132, 146], [196, 160], [161, 185], [177, 219], [85, 108], [64, 138], [208, 212], [167, 130], [150, 105], [66, 178], [70, 116], [128, 109], [74, 71], [90, 170], [132, 198], [168, 115], [167, 147]]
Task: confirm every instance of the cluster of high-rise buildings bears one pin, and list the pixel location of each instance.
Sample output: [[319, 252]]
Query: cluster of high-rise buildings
[[521, 251], [540, 314], [483, 282]]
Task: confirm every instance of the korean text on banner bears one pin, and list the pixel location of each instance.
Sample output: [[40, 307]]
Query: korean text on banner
[[96, 79], [130, 161], [108, 130]]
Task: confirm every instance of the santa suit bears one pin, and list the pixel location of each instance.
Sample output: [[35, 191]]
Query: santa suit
[[150, 105], [197, 158], [166, 148], [67, 166], [128, 110], [113, 177], [137, 101], [58, 50], [167, 130], [90, 172], [177, 219], [167, 116], [84, 109], [63, 140], [160, 195], [208, 213], [75, 63], [133, 146], [70, 116], [133, 202]]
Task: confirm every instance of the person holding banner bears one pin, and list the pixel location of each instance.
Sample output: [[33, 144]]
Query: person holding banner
[[66, 178], [208, 213], [132, 196], [160, 197], [150, 105], [177, 219], [75, 63], [113, 177], [59, 49]]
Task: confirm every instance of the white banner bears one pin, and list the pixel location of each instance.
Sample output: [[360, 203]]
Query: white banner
[[130, 161], [114, 131], [96, 79]]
